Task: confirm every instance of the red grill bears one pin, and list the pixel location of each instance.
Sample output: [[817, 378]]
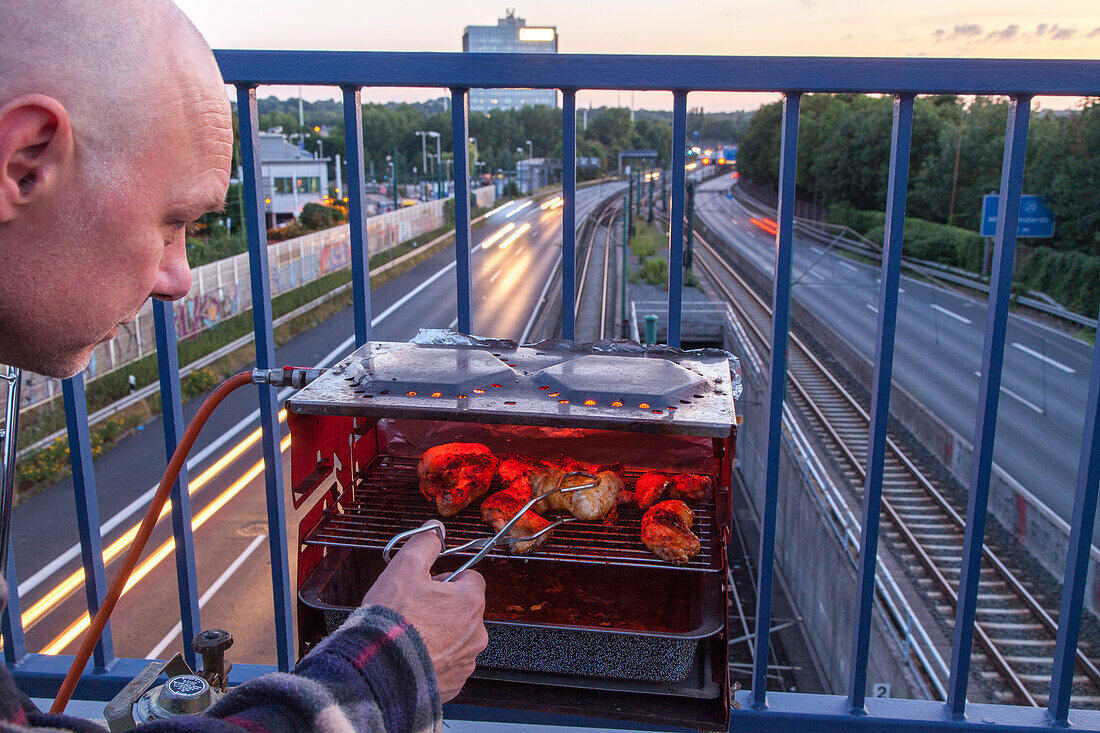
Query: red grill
[[590, 622]]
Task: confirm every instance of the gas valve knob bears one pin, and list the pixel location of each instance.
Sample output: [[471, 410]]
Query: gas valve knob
[[211, 645]]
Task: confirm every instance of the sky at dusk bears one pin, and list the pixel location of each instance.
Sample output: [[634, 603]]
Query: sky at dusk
[[1055, 29]]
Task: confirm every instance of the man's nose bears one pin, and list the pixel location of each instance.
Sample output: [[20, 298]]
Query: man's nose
[[174, 276]]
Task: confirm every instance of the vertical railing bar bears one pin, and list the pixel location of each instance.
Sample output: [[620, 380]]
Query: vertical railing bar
[[569, 213], [460, 131], [259, 275], [87, 509], [1078, 553], [164, 326], [781, 309], [900, 138], [1008, 211], [11, 621], [357, 213], [676, 223]]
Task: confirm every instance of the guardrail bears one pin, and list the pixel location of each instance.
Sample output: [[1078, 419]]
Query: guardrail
[[903, 79]]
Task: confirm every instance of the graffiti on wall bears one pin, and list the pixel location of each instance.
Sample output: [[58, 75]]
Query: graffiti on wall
[[196, 312]]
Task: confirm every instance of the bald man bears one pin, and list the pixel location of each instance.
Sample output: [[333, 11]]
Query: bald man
[[115, 134]]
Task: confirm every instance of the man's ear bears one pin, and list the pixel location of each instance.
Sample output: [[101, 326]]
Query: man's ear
[[36, 146]]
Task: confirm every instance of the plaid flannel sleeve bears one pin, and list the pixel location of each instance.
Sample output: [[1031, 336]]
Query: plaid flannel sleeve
[[372, 674]]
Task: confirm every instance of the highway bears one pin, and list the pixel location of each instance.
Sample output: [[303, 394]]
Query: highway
[[938, 354], [514, 255]]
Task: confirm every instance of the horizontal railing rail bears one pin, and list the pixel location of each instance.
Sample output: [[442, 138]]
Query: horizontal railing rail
[[792, 77]]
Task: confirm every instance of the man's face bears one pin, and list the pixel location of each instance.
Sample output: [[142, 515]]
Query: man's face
[[118, 238]]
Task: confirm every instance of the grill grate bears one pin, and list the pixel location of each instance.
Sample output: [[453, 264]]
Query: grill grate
[[387, 500]]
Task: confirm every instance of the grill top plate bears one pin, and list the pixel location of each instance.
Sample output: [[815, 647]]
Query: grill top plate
[[561, 384]]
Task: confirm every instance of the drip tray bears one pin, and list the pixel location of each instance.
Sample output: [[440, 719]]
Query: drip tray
[[565, 619]]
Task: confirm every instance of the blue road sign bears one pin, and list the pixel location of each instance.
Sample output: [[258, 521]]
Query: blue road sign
[[1036, 220]]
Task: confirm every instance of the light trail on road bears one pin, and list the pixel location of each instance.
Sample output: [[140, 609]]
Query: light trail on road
[[497, 236], [77, 627], [74, 581], [514, 236]]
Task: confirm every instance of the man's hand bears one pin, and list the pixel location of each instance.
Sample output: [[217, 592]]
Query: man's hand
[[450, 617]]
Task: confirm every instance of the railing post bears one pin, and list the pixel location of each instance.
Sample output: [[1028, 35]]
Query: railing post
[[676, 223], [164, 325], [357, 214], [259, 275], [460, 131], [569, 213], [781, 310], [1077, 556], [87, 509], [900, 138], [1012, 174], [11, 621]]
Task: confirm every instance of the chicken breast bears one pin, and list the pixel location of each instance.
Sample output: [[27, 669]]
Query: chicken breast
[[456, 474], [666, 531]]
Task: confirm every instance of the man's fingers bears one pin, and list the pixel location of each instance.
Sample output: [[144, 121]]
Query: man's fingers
[[470, 579], [419, 552]]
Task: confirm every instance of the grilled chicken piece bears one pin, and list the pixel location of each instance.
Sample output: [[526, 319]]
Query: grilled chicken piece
[[516, 466], [684, 486], [666, 531], [455, 474], [503, 505], [690, 486], [587, 504], [600, 500], [650, 487]]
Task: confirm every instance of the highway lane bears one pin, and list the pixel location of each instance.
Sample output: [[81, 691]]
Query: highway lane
[[507, 284], [938, 352]]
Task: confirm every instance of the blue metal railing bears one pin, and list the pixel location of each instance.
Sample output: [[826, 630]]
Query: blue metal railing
[[793, 77]]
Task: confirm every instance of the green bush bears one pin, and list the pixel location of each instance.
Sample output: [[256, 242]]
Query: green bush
[[316, 216], [924, 240], [1072, 278], [653, 271], [197, 383], [647, 241]]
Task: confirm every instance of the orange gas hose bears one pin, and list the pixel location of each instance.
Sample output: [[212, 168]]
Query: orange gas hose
[[99, 621]]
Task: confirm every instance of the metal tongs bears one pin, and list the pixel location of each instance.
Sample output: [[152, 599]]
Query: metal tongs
[[484, 544]]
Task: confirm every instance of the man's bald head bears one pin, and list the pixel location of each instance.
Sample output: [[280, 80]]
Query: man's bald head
[[115, 65], [115, 132]]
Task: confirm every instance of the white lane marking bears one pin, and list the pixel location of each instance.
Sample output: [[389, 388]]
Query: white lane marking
[[1044, 358], [495, 275], [542, 297], [452, 324], [952, 314], [214, 588], [817, 250], [1010, 393], [139, 503], [873, 308], [853, 268]]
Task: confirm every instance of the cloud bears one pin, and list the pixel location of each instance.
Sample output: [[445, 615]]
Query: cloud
[[1095, 32], [1005, 34], [971, 33], [962, 31]]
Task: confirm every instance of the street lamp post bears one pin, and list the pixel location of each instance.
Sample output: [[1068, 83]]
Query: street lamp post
[[423, 149], [530, 150], [474, 141]]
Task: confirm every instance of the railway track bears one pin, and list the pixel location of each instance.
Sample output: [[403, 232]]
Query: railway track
[[594, 289], [1015, 630]]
